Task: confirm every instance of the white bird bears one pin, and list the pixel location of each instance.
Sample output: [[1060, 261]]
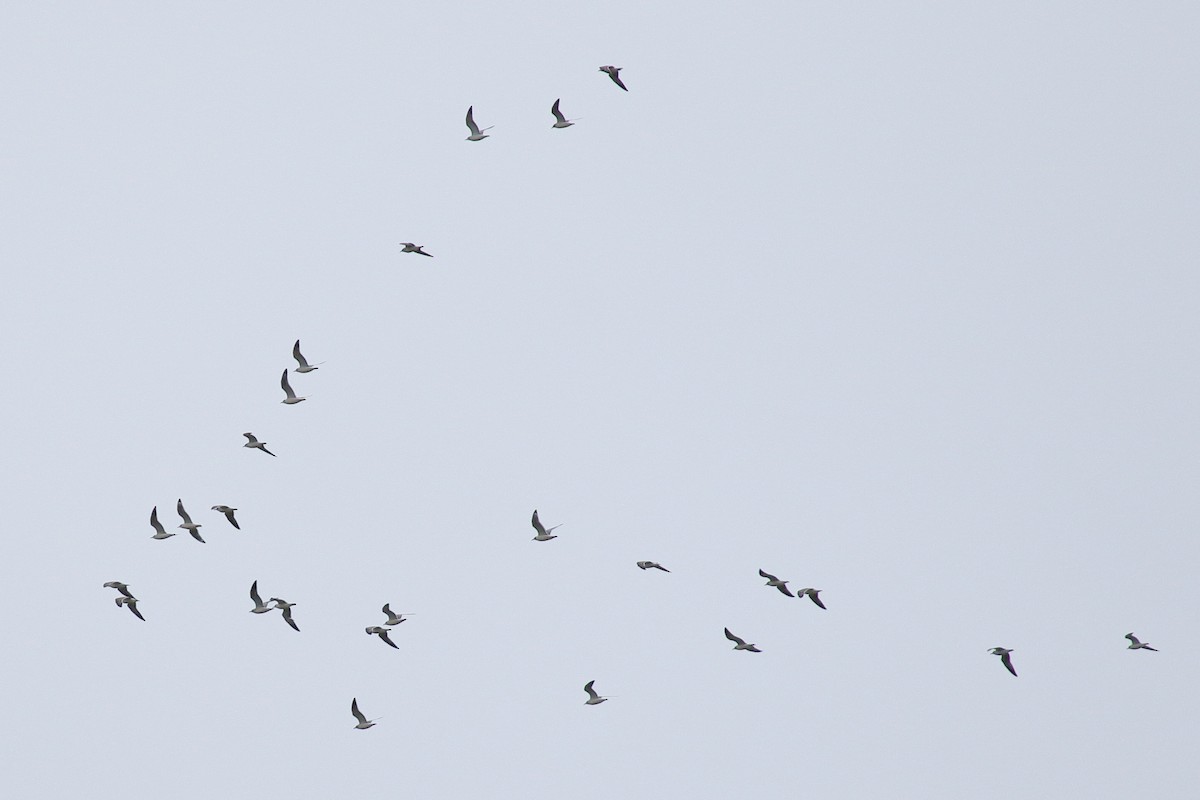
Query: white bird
[[740, 643], [382, 633], [154, 523], [123, 588], [286, 607], [259, 606], [363, 722], [392, 619], [304, 367], [291, 398], [812, 595], [543, 534], [778, 584], [559, 120], [255, 443], [1005, 658], [131, 603], [593, 698], [191, 527], [477, 135], [614, 73], [652, 565], [228, 512], [409, 247], [1137, 644]]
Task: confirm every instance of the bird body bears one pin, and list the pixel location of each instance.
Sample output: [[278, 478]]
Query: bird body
[[615, 74], [304, 366], [652, 565], [159, 531], [382, 633], [191, 527], [740, 643], [409, 247], [778, 584], [1005, 658], [392, 619], [559, 120], [251, 441], [228, 512], [593, 698], [259, 606], [363, 722], [123, 588], [1134, 642], [477, 135], [543, 533], [291, 398]]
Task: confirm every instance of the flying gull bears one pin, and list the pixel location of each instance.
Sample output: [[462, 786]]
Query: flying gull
[[614, 73], [1134, 643], [191, 527], [593, 698], [740, 644], [154, 523], [778, 584], [559, 120], [543, 535], [123, 588], [228, 512], [131, 602], [1004, 657], [409, 247], [304, 365], [652, 565], [812, 595], [291, 398], [392, 619], [259, 606], [477, 135], [255, 443], [363, 722], [382, 633]]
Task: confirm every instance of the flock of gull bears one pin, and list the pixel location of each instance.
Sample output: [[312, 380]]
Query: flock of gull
[[542, 533]]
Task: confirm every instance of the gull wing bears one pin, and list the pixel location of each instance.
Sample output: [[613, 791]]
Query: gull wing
[[587, 687], [1006, 659], [384, 635], [132, 604], [258, 603], [557, 114], [297, 355], [287, 617], [358, 715], [767, 575], [537, 524], [734, 639], [181, 512], [251, 438], [154, 523], [471, 121], [287, 387]]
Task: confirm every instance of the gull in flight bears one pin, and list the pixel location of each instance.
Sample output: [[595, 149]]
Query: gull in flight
[[1005, 658], [304, 367], [255, 443], [364, 723], [559, 120], [259, 606], [652, 565], [778, 584], [286, 607], [123, 588], [382, 633], [154, 523], [812, 595], [614, 73], [543, 535], [740, 644], [593, 698], [291, 398], [392, 619], [409, 247], [477, 135], [1134, 642], [191, 527], [228, 512], [131, 602]]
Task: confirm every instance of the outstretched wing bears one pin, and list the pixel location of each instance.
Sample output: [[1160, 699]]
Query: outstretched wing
[[734, 639], [296, 354], [1007, 660], [471, 121], [358, 715]]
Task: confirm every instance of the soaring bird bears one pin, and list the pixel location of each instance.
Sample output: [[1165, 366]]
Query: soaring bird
[[778, 584], [740, 644], [652, 565], [559, 120], [228, 512], [593, 698], [1136, 644], [259, 606], [1005, 658], [191, 527], [382, 633], [409, 247], [160, 533], [392, 619], [477, 135], [614, 73], [131, 604], [304, 365], [286, 607], [255, 443], [123, 588], [812, 595], [291, 398], [363, 722], [543, 534]]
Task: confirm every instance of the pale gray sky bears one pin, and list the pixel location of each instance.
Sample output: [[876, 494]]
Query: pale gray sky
[[894, 300]]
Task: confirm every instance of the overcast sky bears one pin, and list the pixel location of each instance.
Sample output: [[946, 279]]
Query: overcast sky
[[894, 300]]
